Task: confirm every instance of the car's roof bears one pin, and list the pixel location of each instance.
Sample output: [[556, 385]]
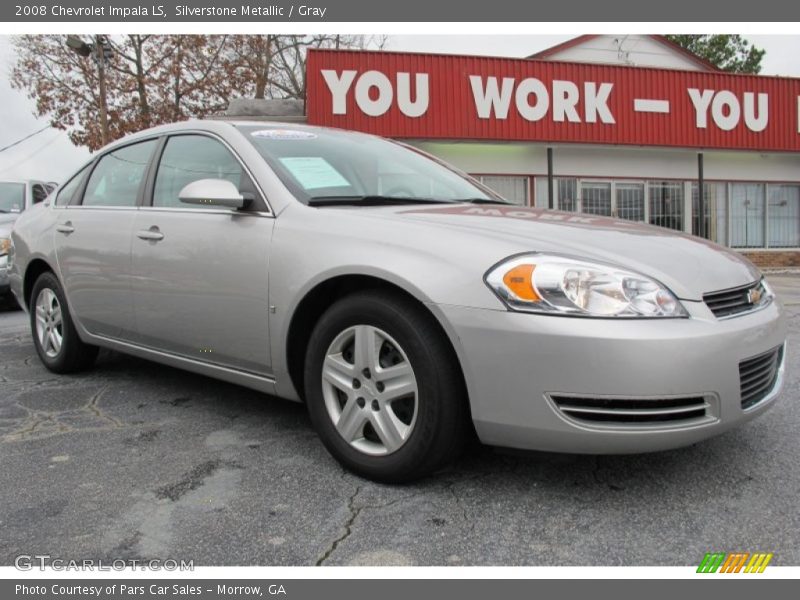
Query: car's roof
[[219, 126], [272, 124]]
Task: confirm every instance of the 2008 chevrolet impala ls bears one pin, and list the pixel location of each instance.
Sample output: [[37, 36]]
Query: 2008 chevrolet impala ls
[[402, 301]]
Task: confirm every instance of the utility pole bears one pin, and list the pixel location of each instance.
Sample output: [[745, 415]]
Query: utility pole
[[100, 59], [100, 50]]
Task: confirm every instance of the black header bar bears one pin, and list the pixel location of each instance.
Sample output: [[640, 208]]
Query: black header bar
[[337, 11]]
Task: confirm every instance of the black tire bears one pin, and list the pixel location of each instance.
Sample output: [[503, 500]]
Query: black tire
[[74, 355], [442, 417]]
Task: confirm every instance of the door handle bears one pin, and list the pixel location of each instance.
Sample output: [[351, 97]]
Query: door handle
[[65, 228], [151, 235]]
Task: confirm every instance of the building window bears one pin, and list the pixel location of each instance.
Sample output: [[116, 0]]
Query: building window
[[739, 215], [567, 194], [596, 198], [784, 216], [747, 215], [630, 201], [514, 189], [716, 211], [666, 204]]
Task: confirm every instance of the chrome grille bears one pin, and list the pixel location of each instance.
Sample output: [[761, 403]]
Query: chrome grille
[[758, 375], [633, 411], [734, 301]]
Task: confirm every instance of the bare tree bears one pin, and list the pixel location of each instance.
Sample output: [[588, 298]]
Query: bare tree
[[75, 92], [290, 58], [195, 82], [147, 80], [140, 58], [250, 63]]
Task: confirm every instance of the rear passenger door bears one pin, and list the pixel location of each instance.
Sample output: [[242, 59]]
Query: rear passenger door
[[200, 279], [93, 239]]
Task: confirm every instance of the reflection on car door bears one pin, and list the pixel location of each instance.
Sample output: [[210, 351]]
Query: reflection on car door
[[93, 240], [200, 274]]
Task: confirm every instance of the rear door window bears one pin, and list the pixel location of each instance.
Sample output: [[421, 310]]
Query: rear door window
[[116, 179]]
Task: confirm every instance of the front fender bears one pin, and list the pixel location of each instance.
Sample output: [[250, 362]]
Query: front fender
[[308, 250]]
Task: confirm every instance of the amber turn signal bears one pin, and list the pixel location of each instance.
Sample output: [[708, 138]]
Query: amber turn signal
[[520, 281]]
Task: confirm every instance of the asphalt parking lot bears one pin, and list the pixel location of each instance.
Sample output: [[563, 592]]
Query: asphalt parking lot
[[136, 460]]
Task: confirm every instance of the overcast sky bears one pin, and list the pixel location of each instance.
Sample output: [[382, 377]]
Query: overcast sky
[[50, 155]]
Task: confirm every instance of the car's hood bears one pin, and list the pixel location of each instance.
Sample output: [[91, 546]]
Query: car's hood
[[688, 265]]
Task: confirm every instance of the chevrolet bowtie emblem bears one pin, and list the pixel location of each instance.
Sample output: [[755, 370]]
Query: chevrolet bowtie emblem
[[754, 295]]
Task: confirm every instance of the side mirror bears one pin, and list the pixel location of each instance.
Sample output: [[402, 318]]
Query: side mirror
[[212, 192]]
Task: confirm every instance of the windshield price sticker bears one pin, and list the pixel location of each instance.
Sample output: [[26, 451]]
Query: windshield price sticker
[[314, 172]]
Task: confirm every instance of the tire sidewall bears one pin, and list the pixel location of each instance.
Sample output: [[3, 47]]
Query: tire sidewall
[[394, 320], [69, 334]]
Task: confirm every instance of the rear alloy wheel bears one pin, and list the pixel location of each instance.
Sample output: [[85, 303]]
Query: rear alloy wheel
[[383, 387], [49, 323], [54, 333]]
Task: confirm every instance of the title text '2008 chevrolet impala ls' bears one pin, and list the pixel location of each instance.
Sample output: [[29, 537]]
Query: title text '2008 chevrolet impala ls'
[[403, 302]]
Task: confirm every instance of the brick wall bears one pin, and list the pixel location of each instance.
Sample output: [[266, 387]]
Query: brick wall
[[774, 258]]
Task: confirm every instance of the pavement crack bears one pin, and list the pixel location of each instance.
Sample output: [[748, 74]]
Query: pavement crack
[[450, 487], [46, 423], [348, 527], [38, 419], [94, 408]]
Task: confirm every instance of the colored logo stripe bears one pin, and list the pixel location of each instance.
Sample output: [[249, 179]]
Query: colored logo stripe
[[734, 562], [758, 563], [711, 562]]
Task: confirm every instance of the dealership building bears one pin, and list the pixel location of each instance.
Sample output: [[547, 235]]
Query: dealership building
[[625, 126]]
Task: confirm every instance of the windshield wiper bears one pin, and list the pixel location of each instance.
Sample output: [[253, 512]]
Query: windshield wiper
[[484, 201], [370, 201]]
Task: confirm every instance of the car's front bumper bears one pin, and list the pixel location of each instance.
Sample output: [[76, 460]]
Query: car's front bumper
[[515, 363]]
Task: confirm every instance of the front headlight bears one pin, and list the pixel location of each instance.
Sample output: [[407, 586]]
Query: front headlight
[[561, 285], [5, 246]]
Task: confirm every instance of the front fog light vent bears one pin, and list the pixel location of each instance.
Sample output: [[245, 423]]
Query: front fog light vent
[[634, 411]]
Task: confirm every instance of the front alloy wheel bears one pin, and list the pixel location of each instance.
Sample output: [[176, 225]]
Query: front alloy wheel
[[383, 387], [370, 390]]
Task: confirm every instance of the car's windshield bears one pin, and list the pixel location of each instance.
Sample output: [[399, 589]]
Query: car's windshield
[[329, 165], [12, 197]]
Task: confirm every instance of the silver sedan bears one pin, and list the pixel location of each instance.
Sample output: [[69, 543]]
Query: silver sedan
[[407, 305]]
